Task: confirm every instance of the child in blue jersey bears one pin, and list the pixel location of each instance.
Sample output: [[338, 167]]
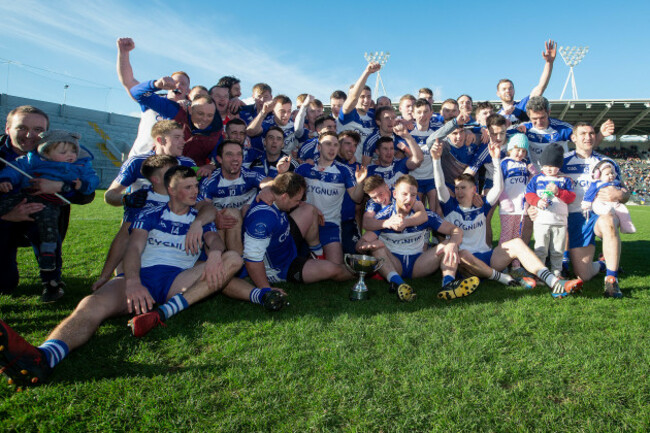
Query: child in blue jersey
[[59, 158], [551, 193], [604, 175], [516, 172]]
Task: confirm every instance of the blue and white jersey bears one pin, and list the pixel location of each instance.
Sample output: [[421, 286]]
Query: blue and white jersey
[[473, 222], [425, 170], [455, 160], [309, 150], [154, 199], [538, 139], [262, 165], [370, 146], [130, 170], [518, 115], [557, 211], [365, 125], [515, 180], [291, 142], [390, 173], [436, 122], [412, 239], [235, 193], [579, 170], [267, 238], [326, 187], [166, 240]]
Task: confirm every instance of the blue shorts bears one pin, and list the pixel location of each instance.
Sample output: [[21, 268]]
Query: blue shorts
[[329, 233], [349, 236], [158, 280], [408, 262], [580, 230], [426, 185], [485, 257]]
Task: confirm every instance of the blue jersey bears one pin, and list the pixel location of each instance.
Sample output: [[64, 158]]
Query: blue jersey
[[455, 160], [579, 170], [291, 140], [262, 165], [130, 170], [472, 220], [348, 208], [166, 239], [538, 139], [309, 150], [326, 187], [365, 125], [436, 122], [154, 200], [235, 193], [390, 173], [518, 114], [412, 239], [370, 144], [267, 238]]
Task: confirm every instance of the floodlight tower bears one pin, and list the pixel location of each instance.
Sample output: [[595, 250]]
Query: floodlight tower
[[381, 58], [572, 56]]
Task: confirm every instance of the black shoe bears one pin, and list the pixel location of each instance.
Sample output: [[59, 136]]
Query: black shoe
[[392, 287], [52, 291], [611, 288], [47, 262], [274, 300], [459, 288]]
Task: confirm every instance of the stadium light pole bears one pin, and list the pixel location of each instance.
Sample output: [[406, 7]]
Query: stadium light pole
[[381, 58], [572, 56]]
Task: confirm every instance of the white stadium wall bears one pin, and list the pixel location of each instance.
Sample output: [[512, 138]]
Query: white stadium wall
[[108, 136]]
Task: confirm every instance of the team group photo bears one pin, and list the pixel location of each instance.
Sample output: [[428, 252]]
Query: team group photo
[[257, 252]]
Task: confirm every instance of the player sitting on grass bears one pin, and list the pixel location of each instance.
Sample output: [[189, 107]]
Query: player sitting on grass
[[158, 270], [403, 248], [478, 258]]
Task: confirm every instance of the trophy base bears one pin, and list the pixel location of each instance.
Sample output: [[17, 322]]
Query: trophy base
[[358, 296]]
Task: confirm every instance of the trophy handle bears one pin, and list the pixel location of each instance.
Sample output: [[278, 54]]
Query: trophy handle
[[345, 262], [380, 263]]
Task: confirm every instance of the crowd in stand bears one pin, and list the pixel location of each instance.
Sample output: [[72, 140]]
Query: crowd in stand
[[226, 197]]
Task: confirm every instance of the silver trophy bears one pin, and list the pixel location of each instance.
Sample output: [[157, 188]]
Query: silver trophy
[[361, 265]]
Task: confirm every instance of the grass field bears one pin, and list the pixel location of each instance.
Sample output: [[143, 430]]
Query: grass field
[[500, 360]]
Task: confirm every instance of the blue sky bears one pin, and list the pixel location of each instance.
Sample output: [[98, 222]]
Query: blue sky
[[317, 47]]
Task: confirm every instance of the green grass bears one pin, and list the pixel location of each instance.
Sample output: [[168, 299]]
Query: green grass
[[500, 360]]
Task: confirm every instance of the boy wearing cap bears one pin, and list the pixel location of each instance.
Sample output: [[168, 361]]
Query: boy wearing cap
[[517, 171], [550, 193], [57, 158]]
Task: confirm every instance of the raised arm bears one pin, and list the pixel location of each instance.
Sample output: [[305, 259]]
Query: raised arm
[[549, 53], [417, 156], [493, 196], [355, 92], [438, 174], [255, 127], [299, 124], [144, 93], [124, 69]]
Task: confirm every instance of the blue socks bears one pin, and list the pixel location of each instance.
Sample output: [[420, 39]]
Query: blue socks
[[394, 277], [256, 295], [316, 249], [612, 274], [175, 305], [54, 351], [446, 279]]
